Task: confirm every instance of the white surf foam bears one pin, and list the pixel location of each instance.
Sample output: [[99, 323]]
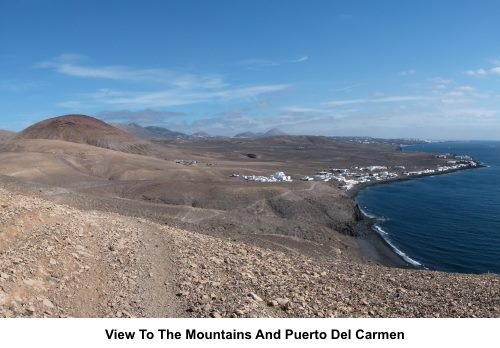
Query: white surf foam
[[371, 216], [405, 257]]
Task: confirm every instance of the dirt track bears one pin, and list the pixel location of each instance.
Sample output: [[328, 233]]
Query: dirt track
[[57, 261]]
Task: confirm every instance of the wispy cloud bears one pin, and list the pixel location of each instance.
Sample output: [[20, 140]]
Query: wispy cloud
[[458, 120], [408, 72], [482, 72], [237, 123], [441, 80], [460, 109], [477, 72], [176, 97], [261, 64], [258, 64], [346, 88], [299, 109], [166, 87], [466, 88], [144, 117], [74, 65], [390, 99], [300, 60], [458, 94]]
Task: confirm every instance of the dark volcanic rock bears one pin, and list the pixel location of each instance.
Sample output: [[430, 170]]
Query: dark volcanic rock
[[358, 215]]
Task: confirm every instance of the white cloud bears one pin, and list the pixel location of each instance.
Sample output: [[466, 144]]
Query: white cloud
[[258, 64], [408, 72], [441, 81], [447, 91], [298, 109], [459, 95], [452, 100], [495, 70], [455, 93], [481, 72], [442, 117], [172, 87], [345, 88], [175, 97], [146, 116], [475, 113], [390, 99], [466, 88], [72, 65], [300, 60], [477, 72]]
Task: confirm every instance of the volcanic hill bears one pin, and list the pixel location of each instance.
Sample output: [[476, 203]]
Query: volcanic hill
[[85, 130]]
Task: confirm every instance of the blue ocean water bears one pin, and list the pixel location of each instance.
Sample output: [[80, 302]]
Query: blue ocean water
[[446, 222]]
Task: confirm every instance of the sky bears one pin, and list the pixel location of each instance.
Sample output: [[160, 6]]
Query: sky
[[392, 69]]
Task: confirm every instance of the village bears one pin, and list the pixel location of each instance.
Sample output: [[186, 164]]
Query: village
[[275, 177], [347, 178]]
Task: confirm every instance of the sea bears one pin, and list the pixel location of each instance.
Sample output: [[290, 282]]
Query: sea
[[447, 222]]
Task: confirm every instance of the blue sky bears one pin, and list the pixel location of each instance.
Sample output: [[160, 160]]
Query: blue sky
[[427, 69]]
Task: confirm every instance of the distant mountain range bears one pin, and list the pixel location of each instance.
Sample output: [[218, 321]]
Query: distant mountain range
[[134, 138], [158, 133], [270, 133], [201, 134], [150, 132]]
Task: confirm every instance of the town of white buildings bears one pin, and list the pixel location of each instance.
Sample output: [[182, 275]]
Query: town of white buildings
[[275, 177], [348, 178]]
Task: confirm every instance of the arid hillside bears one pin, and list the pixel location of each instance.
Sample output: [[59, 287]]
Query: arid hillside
[[58, 261], [4, 135]]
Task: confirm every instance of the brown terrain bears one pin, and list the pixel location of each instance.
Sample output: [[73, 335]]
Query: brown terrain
[[4, 135], [98, 223]]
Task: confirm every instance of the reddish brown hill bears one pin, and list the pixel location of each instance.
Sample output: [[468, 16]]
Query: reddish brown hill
[[84, 130]]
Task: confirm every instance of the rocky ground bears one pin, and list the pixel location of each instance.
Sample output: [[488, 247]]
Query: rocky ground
[[57, 261]]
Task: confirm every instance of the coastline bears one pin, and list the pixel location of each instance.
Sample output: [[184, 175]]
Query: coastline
[[373, 246], [353, 192]]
